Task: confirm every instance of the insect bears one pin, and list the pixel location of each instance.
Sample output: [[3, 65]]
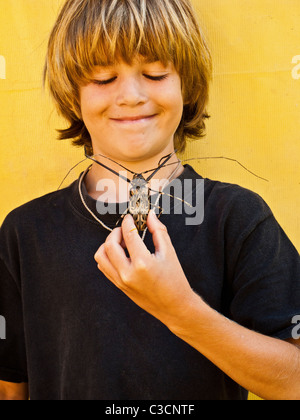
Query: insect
[[140, 200], [139, 203], [139, 188]]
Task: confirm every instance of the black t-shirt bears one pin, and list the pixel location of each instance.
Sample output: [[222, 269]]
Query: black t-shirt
[[73, 335]]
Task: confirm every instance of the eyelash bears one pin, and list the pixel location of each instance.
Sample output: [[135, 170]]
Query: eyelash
[[109, 81], [156, 78]]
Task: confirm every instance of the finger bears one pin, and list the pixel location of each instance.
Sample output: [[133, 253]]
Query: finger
[[135, 245], [160, 236], [105, 266], [115, 251]]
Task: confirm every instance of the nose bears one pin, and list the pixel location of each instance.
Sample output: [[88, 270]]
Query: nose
[[131, 92]]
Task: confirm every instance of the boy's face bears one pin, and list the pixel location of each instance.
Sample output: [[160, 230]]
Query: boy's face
[[133, 111]]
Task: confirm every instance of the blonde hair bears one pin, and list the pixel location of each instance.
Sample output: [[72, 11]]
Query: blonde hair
[[88, 33]]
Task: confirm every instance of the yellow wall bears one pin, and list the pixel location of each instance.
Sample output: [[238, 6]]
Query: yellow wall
[[254, 107], [255, 101]]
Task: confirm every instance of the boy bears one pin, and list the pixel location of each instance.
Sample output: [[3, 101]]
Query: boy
[[184, 313]]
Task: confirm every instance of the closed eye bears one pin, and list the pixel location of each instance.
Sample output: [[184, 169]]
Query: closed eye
[[109, 81], [156, 78], [104, 82]]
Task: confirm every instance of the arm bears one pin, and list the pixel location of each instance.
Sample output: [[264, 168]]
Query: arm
[[268, 367], [13, 392]]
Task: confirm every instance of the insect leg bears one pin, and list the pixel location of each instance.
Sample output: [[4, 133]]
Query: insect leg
[[172, 196], [122, 217]]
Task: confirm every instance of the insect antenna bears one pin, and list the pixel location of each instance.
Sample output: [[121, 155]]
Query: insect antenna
[[222, 157], [161, 164], [75, 166]]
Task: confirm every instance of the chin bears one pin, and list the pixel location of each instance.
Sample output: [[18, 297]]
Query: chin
[[138, 151], [146, 154]]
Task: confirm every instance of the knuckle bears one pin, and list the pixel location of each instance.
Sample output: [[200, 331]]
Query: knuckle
[[99, 254], [164, 228], [108, 245], [161, 226], [125, 277], [141, 265]]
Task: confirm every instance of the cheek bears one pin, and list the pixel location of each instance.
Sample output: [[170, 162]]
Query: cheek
[[174, 104], [91, 102], [174, 97]]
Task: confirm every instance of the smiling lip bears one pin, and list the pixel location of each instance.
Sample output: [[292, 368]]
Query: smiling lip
[[139, 118]]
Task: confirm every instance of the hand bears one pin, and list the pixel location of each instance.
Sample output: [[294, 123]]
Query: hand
[[155, 282]]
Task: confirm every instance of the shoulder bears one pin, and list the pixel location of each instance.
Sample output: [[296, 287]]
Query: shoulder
[[235, 198], [232, 199], [231, 208], [38, 210], [32, 225], [236, 210]]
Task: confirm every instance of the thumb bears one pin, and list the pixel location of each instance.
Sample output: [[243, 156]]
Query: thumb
[[160, 236]]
